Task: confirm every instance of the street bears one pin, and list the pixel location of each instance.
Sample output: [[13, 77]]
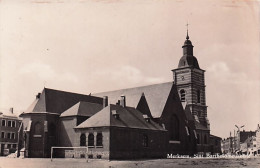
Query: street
[[253, 162]]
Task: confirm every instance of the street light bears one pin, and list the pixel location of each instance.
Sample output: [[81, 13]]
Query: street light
[[239, 127], [238, 136]]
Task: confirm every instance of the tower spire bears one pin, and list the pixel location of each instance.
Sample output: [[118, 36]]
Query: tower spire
[[187, 37]]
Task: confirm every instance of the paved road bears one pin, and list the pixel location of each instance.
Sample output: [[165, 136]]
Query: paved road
[[162, 163]]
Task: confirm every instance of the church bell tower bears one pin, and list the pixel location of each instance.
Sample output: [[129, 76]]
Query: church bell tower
[[189, 79]]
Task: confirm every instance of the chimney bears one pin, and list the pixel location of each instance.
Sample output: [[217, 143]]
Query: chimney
[[12, 110], [38, 95], [105, 101], [122, 101]]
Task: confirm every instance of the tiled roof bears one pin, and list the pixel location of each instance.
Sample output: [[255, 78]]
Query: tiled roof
[[57, 101], [82, 109], [156, 96], [128, 117], [5, 114]]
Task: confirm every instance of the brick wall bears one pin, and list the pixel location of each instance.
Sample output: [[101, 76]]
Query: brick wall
[[127, 143]]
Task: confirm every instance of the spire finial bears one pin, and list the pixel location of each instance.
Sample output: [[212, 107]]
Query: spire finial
[[187, 37]]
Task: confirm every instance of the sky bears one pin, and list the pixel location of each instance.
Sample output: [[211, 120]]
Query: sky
[[90, 46]]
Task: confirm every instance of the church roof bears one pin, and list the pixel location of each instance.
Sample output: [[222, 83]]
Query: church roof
[[156, 96], [82, 109], [56, 101], [188, 61], [128, 117]]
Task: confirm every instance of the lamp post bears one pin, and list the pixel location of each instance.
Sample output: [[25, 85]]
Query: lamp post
[[238, 135]]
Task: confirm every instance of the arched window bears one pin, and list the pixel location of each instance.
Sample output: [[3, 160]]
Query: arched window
[[205, 139], [90, 139], [198, 96], [99, 139], [198, 138], [182, 93], [145, 140], [82, 140], [174, 128], [38, 129]]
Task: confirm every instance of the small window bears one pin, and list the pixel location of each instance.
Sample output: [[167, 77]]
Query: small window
[[9, 124], [99, 139], [8, 146], [198, 96], [3, 122], [91, 139], [13, 124], [14, 145], [8, 135], [82, 140], [182, 93], [145, 140], [2, 134], [13, 135]]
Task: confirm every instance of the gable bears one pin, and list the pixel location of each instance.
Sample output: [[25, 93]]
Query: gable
[[143, 106]]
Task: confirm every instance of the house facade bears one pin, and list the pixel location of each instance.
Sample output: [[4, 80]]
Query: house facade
[[9, 129]]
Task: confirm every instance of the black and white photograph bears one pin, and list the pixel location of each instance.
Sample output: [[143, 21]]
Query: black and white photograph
[[129, 83]]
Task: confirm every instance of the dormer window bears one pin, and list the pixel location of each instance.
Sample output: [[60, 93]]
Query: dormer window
[[115, 114], [146, 118]]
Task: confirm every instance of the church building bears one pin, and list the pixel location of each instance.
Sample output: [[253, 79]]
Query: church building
[[142, 122]]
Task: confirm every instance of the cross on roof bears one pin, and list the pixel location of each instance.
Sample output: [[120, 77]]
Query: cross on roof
[[187, 26], [187, 37]]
